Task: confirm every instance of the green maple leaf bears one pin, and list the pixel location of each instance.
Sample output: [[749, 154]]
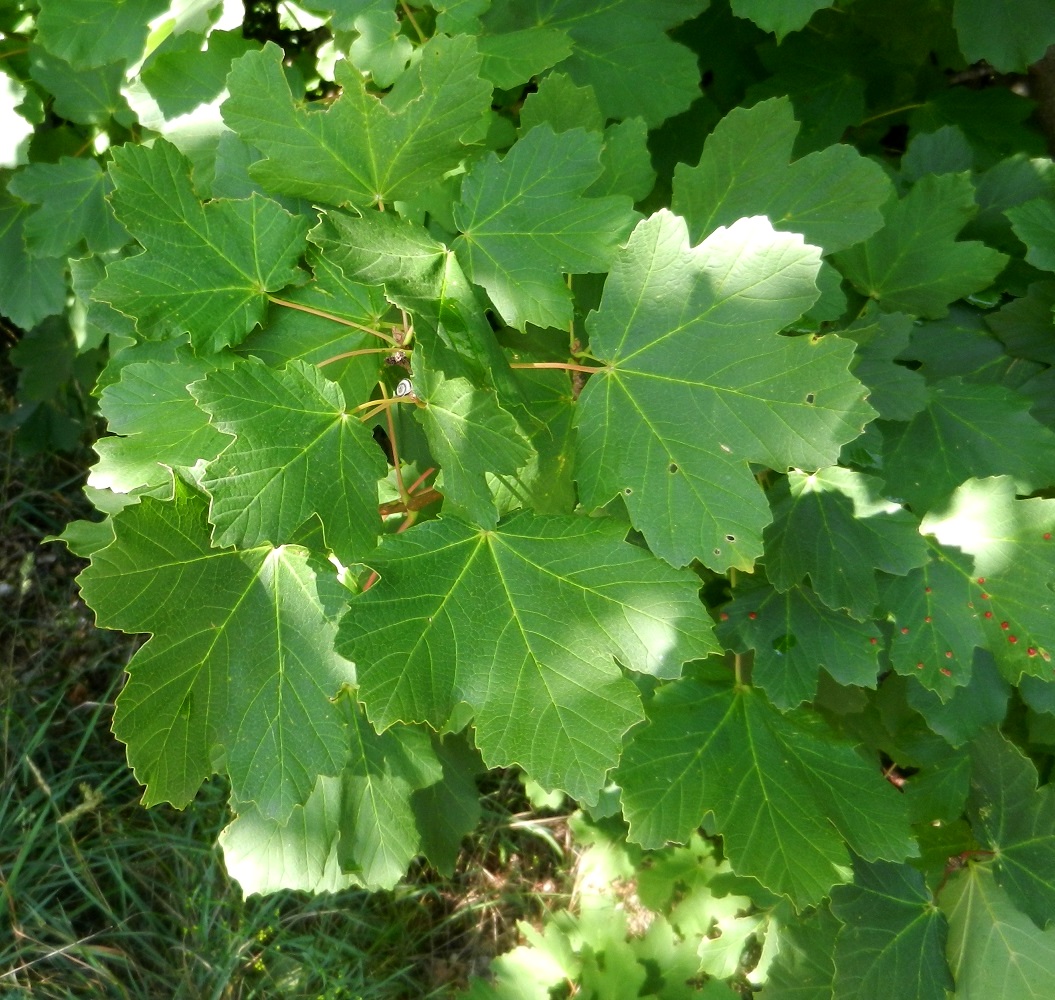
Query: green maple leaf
[[794, 635], [994, 950], [832, 197], [966, 430], [935, 611], [240, 666], [982, 702], [696, 385], [892, 943], [524, 224], [361, 150], [615, 46], [781, 17], [897, 392], [1024, 325], [454, 413], [804, 968], [381, 49], [89, 33], [834, 527], [207, 268], [914, 264], [422, 276], [161, 425], [1013, 572], [71, 195], [379, 835], [563, 105], [1016, 821], [1034, 225], [321, 321], [31, 288], [516, 56], [297, 451], [265, 856], [1009, 35], [787, 796], [524, 624], [449, 809], [89, 97], [180, 76]]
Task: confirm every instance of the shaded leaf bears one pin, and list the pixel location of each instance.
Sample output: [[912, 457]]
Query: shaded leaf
[[89, 33], [794, 636], [297, 451], [71, 195], [207, 268], [1016, 821], [1009, 35], [524, 224], [781, 17], [240, 666], [787, 796], [161, 425], [914, 264], [835, 527], [995, 951], [361, 150], [615, 47], [892, 943], [966, 430], [470, 435], [523, 624]]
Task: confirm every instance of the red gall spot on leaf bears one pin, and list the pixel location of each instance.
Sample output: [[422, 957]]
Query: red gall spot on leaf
[[919, 666], [1004, 625], [946, 671], [752, 615], [981, 579], [1047, 536], [1012, 639], [988, 614], [724, 616], [1031, 651], [926, 590], [948, 654], [928, 619], [873, 641], [985, 597], [904, 631]]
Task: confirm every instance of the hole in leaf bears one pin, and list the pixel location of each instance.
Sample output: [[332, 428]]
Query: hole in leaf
[[810, 397], [628, 491], [672, 468], [730, 538]]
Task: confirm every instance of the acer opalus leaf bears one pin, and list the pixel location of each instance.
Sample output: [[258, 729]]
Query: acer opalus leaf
[[240, 666], [696, 384], [527, 625]]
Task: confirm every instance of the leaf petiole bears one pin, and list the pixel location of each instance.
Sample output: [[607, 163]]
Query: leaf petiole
[[563, 365], [353, 354], [336, 319]]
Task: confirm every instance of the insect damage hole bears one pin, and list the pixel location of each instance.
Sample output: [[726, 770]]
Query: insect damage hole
[[810, 397], [672, 468]]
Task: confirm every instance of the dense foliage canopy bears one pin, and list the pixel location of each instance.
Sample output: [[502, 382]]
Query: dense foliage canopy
[[656, 397]]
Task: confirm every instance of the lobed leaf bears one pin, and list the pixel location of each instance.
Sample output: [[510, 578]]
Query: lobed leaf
[[524, 624], [240, 667], [696, 385]]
